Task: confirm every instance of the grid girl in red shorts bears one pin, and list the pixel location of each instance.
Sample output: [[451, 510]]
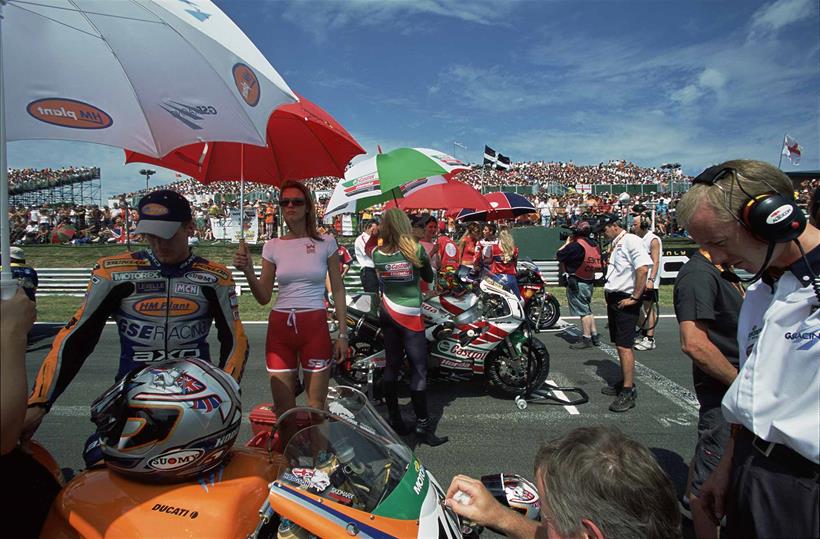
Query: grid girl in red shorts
[[297, 325]]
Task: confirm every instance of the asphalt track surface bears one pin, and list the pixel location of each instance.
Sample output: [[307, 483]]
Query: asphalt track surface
[[487, 434]]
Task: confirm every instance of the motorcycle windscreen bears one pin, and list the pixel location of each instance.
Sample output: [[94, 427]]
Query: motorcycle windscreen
[[346, 463]]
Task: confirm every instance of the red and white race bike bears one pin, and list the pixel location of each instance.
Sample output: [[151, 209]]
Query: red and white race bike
[[477, 327]]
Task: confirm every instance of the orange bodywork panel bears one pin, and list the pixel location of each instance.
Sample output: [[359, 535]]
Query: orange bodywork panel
[[223, 503], [326, 518]]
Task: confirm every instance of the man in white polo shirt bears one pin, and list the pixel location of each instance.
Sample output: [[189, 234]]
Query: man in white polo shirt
[[626, 272], [768, 481]]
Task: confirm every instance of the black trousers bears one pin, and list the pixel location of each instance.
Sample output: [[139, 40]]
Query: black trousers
[[370, 281], [772, 497]]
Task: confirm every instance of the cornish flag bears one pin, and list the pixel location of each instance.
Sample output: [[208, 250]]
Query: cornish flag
[[503, 163], [791, 149], [490, 156]]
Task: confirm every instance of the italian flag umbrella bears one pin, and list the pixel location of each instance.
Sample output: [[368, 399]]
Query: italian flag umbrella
[[391, 175]]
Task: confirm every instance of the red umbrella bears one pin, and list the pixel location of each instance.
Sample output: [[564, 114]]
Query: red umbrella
[[304, 141], [450, 194]]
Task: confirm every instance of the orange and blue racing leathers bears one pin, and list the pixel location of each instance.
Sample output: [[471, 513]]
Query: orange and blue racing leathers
[[161, 311]]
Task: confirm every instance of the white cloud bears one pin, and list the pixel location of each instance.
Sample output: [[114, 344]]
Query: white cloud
[[772, 17], [493, 89], [321, 17]]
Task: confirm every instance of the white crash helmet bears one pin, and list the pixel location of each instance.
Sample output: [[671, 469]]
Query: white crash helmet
[[515, 492], [168, 422]]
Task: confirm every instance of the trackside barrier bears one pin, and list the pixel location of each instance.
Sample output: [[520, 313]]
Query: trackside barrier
[[73, 281]]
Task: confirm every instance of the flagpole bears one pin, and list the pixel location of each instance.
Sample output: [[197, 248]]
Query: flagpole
[[782, 145]]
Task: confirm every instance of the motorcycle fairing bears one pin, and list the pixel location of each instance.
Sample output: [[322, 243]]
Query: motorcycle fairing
[[100, 503]]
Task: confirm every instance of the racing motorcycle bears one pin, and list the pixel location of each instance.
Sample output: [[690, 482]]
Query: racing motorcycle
[[476, 327], [343, 473], [541, 307]]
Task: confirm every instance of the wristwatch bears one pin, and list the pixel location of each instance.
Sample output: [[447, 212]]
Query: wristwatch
[[633, 298], [652, 279]]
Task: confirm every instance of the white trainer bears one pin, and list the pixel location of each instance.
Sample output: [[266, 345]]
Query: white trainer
[[645, 344]]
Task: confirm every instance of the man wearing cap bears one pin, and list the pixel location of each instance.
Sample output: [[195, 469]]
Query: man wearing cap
[[22, 272], [625, 282], [580, 257], [163, 299]]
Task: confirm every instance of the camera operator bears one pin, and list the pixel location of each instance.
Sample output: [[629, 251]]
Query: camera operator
[[580, 258], [625, 282]]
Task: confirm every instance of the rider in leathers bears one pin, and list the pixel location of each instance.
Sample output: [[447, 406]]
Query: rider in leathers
[[162, 311]]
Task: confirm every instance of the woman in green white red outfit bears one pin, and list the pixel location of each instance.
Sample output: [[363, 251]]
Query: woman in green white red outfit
[[400, 262]]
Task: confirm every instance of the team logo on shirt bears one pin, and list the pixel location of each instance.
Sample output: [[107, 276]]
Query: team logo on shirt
[[751, 339], [310, 248], [804, 339]]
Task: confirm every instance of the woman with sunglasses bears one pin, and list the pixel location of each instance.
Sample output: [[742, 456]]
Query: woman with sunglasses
[[297, 324], [400, 265]]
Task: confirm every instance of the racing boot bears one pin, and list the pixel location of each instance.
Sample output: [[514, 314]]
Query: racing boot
[[391, 397], [425, 429], [426, 433]]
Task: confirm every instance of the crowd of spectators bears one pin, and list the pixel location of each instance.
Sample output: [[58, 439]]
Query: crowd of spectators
[[80, 224], [28, 179]]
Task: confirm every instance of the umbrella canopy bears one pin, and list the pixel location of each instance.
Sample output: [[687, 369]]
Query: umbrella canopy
[[141, 74], [149, 75], [304, 141], [389, 176], [437, 196], [503, 206]]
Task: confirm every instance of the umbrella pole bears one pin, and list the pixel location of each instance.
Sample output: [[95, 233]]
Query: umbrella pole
[[241, 195], [7, 284]]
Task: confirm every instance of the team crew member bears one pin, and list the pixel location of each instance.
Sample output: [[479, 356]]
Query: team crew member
[[344, 266], [401, 263], [707, 308], [23, 273], [370, 283], [625, 280], [503, 257], [593, 482], [163, 300], [445, 261], [641, 227], [468, 243], [743, 213], [297, 324], [488, 238], [580, 257]]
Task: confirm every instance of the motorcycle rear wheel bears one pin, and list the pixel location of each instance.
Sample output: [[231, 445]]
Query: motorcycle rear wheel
[[508, 375], [551, 312]]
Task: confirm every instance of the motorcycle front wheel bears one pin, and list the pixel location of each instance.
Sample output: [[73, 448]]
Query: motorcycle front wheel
[[508, 375], [547, 309]]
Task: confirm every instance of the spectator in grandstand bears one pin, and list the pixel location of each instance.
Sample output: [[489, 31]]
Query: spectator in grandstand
[[297, 325], [767, 481], [593, 482]]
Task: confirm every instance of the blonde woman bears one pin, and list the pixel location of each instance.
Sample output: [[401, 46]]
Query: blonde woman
[[503, 256], [400, 264]]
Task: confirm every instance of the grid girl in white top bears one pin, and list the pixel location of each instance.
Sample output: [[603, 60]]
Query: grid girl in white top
[[297, 325]]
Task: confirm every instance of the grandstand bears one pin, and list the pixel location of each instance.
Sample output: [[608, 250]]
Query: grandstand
[[74, 186]]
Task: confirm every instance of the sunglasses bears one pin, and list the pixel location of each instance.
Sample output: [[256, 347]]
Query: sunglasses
[[296, 202]]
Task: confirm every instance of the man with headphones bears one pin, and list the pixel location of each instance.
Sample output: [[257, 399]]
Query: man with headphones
[[641, 227], [743, 213]]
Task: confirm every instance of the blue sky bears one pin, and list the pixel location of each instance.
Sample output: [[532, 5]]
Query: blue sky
[[587, 81]]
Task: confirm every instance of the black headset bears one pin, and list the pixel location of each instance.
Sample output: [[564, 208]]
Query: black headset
[[771, 217]]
